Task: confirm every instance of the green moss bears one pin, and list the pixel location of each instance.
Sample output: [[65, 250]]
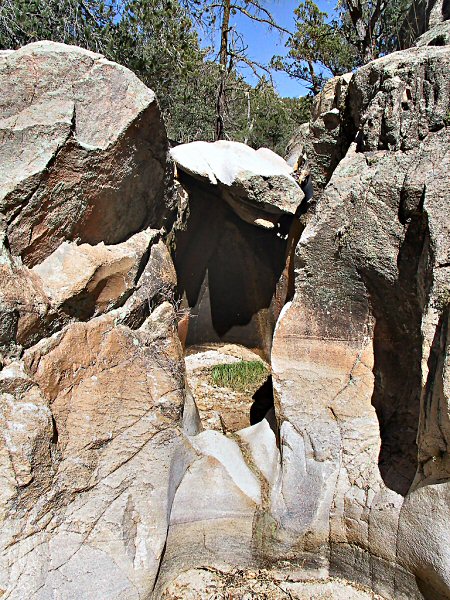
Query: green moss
[[241, 376]]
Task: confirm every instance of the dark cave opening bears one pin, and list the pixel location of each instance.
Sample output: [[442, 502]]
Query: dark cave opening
[[235, 277], [263, 402], [263, 407]]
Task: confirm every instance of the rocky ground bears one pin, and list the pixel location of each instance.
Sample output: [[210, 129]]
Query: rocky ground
[[211, 584]]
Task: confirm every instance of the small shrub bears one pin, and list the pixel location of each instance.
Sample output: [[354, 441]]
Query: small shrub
[[241, 376]]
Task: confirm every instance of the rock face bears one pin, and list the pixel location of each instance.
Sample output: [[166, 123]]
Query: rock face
[[92, 373], [111, 486], [359, 356], [83, 150], [89, 280]]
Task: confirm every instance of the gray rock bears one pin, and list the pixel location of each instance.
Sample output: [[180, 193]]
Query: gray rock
[[360, 355], [439, 35], [83, 150]]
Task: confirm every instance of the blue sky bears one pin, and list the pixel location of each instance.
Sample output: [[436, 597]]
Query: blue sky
[[263, 44]]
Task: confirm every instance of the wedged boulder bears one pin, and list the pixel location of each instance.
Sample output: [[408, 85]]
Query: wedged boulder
[[360, 354], [156, 284], [83, 150], [116, 397], [84, 281], [257, 184]]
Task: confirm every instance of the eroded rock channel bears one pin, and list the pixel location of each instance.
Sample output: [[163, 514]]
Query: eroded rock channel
[[233, 250]]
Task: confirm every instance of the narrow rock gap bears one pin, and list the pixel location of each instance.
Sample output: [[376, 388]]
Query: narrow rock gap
[[263, 402], [233, 279]]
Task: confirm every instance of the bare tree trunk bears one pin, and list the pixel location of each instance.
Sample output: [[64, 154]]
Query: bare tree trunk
[[316, 87], [223, 56]]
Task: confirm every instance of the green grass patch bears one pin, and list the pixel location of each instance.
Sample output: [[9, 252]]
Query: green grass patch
[[245, 375]]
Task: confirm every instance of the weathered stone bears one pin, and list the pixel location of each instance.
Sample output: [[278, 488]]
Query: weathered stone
[[359, 356], [397, 100], [85, 281], [27, 439], [317, 147], [199, 584], [156, 284], [116, 396], [213, 509], [83, 151], [257, 184], [24, 307], [439, 35]]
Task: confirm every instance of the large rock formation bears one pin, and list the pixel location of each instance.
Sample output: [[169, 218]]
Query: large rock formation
[[92, 384], [359, 354], [111, 489], [83, 150]]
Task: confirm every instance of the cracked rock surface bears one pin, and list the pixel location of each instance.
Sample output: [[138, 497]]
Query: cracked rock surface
[[83, 150], [110, 486], [360, 355], [92, 371]]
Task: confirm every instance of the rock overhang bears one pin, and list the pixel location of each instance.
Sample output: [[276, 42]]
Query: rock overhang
[[258, 185]]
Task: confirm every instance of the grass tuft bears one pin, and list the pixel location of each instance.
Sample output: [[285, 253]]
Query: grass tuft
[[245, 375]]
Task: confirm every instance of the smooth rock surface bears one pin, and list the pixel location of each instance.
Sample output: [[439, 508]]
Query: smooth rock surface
[[257, 184]]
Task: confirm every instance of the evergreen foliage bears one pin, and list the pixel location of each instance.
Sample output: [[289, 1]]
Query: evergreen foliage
[[361, 31], [202, 98]]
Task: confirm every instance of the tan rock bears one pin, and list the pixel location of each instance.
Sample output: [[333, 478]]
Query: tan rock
[[116, 396], [24, 307], [86, 280], [27, 438], [360, 355]]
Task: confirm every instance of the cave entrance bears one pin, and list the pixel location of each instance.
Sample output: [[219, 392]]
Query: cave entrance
[[235, 277], [263, 402]]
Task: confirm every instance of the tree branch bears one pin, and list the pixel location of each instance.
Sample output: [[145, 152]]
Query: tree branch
[[267, 21]]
